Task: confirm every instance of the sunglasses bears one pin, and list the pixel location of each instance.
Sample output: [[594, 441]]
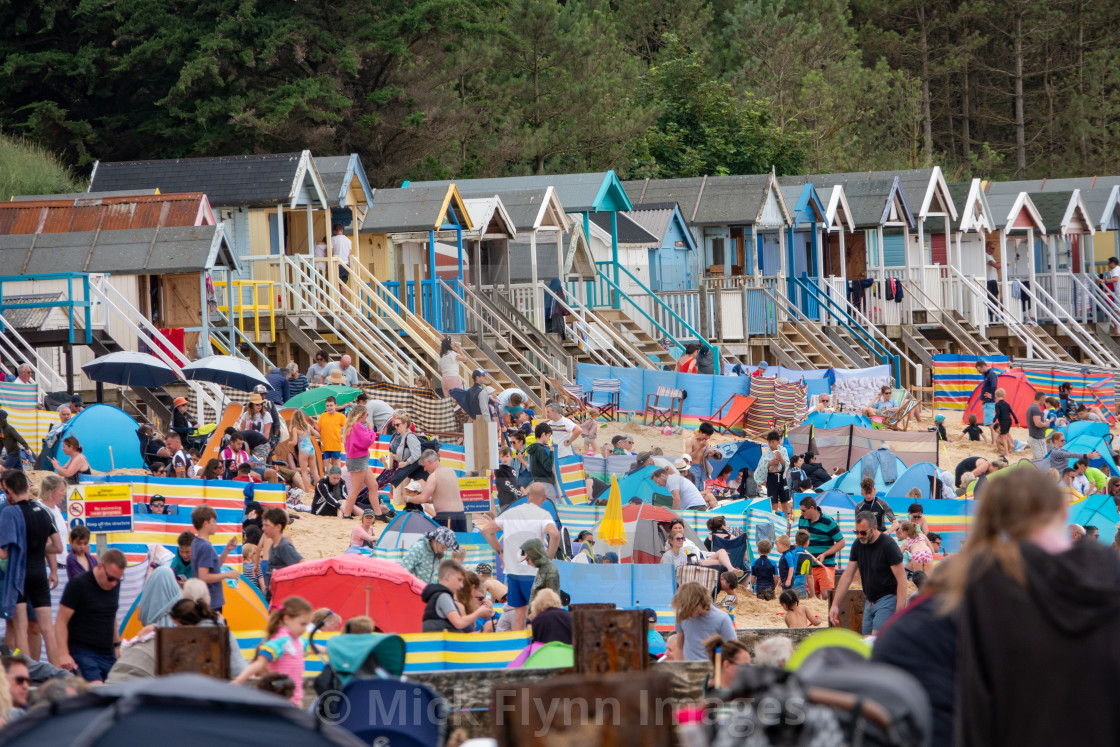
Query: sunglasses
[[677, 539], [114, 579], [915, 516], [22, 680], [863, 533]]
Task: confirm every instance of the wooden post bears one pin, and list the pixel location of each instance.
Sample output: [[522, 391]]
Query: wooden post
[[610, 640], [703, 304], [193, 649], [851, 614]]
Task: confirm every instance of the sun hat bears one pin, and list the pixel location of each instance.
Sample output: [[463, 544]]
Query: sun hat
[[683, 463], [256, 399], [445, 537], [414, 487], [336, 376], [179, 401]]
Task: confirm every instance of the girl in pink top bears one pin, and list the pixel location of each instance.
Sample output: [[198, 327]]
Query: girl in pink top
[[282, 649], [357, 438]]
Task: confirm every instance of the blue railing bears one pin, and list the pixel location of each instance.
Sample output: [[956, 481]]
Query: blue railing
[[446, 314], [69, 303], [857, 330]]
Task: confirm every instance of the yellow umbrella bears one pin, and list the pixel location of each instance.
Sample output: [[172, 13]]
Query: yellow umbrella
[[611, 529]]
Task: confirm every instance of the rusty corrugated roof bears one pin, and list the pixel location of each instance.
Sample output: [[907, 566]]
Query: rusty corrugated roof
[[105, 213]]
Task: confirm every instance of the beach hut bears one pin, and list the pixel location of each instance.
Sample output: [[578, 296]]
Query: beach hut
[[672, 261]]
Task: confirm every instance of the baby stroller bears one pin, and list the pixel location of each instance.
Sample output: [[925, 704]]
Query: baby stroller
[[360, 690]]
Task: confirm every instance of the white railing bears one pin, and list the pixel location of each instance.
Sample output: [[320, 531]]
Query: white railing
[[994, 312], [1065, 321], [111, 303], [606, 345], [16, 347], [1104, 305]]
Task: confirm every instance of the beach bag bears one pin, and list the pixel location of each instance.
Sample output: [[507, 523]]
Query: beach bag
[[706, 576]]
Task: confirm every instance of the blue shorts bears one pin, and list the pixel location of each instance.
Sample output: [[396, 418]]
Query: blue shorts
[[989, 412], [92, 666], [876, 614], [332, 455], [698, 475], [519, 588]]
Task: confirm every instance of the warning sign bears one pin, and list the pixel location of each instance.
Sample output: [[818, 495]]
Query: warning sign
[[475, 492], [102, 508]]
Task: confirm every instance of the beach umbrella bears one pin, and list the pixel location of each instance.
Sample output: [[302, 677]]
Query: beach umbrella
[[611, 530], [313, 401], [186, 708], [130, 369], [226, 370]]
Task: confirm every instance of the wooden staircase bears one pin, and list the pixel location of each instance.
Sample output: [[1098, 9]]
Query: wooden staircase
[[1104, 335], [917, 344], [854, 351], [970, 340], [641, 340], [811, 345]]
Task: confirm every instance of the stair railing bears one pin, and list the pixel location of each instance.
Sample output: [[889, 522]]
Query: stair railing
[[1037, 347], [604, 335], [1100, 299], [1068, 324], [15, 346], [946, 319], [116, 305], [536, 342], [799, 319]]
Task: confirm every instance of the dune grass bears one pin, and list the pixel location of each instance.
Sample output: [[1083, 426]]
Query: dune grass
[[29, 169]]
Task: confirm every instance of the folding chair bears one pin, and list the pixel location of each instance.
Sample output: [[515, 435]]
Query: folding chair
[[899, 419], [731, 414], [612, 388], [661, 413], [572, 397]]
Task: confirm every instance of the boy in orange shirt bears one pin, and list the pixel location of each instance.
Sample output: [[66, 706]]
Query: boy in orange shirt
[[330, 425]]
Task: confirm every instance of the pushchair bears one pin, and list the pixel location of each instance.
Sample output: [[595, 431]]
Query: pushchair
[[360, 690]]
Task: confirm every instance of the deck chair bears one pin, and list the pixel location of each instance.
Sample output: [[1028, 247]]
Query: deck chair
[[573, 399], [731, 414], [663, 407], [612, 390], [899, 419]]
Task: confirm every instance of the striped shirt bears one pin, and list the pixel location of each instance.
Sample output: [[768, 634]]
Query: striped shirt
[[823, 534]]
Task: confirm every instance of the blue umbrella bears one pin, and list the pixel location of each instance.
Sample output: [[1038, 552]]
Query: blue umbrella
[[130, 369], [225, 370]]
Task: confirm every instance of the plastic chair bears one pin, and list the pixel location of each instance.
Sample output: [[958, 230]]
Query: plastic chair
[[392, 712]]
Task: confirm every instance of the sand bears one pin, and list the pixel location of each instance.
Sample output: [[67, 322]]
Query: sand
[[647, 437], [319, 537]]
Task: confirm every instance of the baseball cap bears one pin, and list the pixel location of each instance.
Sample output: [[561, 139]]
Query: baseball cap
[[334, 471], [479, 372], [445, 537]]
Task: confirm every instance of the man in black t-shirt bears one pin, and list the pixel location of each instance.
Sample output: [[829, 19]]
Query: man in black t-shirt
[[879, 561], [41, 542], [877, 506], [87, 630]]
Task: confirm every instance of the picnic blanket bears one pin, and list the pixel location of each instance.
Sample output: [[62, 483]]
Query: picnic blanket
[[431, 411]]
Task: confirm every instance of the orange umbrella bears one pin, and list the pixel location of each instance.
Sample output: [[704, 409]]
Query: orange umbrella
[[611, 530]]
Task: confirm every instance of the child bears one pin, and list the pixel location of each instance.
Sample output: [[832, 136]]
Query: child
[[1005, 445], [505, 479], [330, 425], [795, 616], [590, 430], [1054, 417], [206, 564], [362, 535], [195, 470], [282, 650], [939, 426], [80, 559], [974, 431], [245, 474], [441, 614], [804, 562], [764, 575], [234, 455], [796, 472], [250, 564], [181, 563]]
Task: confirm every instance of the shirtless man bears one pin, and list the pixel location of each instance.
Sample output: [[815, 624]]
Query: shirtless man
[[696, 446], [441, 489]]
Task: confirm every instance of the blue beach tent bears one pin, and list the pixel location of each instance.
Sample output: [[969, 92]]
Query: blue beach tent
[[108, 438], [921, 476]]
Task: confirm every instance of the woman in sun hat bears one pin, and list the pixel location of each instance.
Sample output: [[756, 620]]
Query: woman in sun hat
[[257, 417], [336, 377]]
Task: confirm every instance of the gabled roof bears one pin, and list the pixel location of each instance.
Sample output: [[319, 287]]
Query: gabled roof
[[84, 213], [1109, 216], [165, 250], [416, 209], [574, 245], [529, 209], [1008, 209], [1099, 194], [658, 217], [871, 198], [245, 181], [975, 213], [489, 218], [926, 191], [342, 175], [599, 191], [807, 203], [717, 200], [838, 214], [629, 230]]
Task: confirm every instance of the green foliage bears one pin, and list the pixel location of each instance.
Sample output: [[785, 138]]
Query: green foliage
[[465, 88], [29, 169], [706, 128]]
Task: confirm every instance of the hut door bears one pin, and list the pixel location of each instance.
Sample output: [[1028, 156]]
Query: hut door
[[181, 306]]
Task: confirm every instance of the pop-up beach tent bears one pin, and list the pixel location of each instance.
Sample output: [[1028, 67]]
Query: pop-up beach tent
[[1020, 395], [924, 476], [850, 480], [107, 435]]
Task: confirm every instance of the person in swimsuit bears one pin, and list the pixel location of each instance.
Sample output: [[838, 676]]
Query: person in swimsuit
[[77, 464]]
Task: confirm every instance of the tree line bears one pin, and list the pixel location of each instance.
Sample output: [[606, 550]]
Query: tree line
[[657, 88]]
